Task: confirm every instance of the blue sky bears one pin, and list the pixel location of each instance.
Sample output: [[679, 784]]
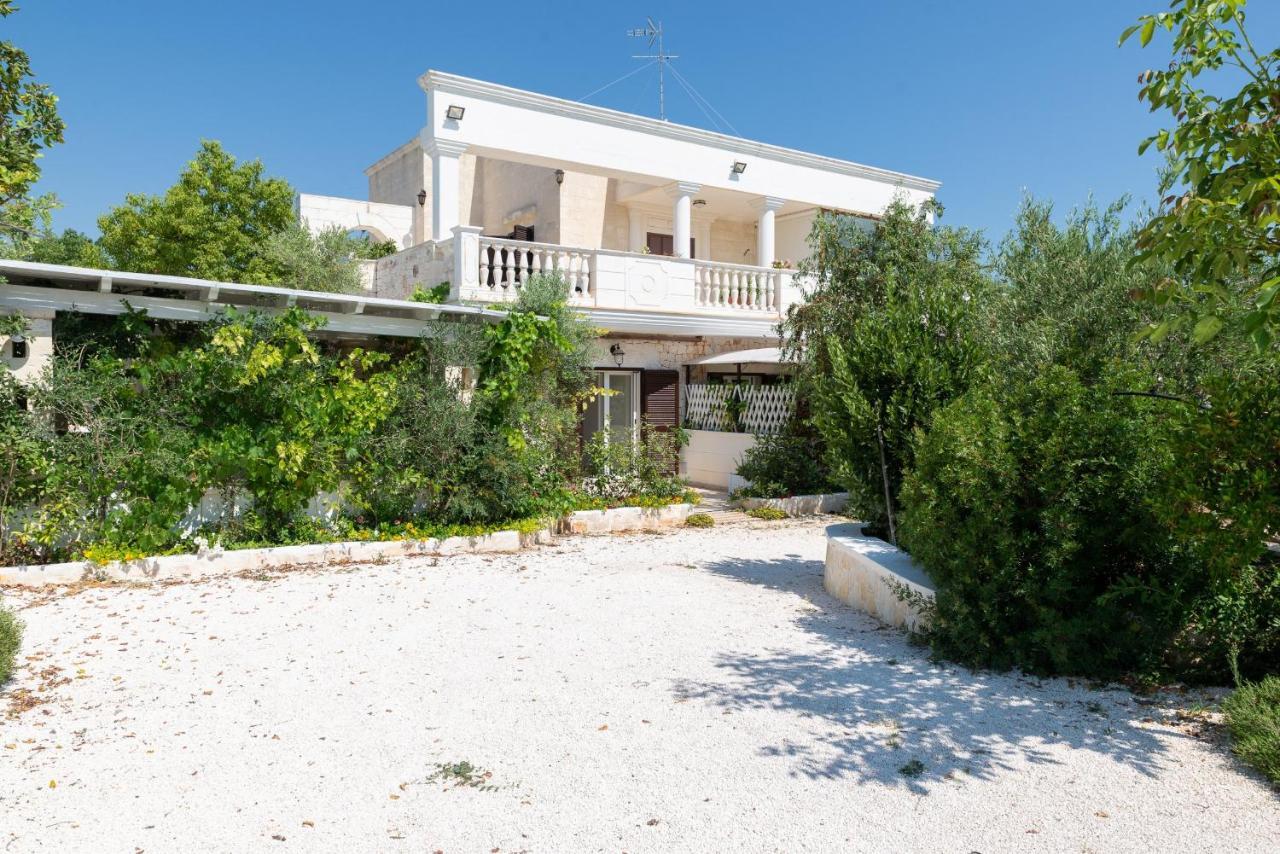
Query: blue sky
[[992, 98]]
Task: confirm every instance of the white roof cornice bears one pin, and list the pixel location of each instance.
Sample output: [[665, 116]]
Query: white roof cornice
[[434, 80]]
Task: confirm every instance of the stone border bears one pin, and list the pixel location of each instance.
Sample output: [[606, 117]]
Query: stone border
[[869, 574], [619, 519], [210, 563], [800, 505]]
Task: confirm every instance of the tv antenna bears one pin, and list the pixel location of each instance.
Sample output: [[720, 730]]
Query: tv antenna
[[653, 32]]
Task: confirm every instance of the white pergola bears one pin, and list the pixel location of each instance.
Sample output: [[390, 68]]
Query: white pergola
[[37, 289]]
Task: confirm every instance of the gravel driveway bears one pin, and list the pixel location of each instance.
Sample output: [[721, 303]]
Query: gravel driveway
[[691, 691]]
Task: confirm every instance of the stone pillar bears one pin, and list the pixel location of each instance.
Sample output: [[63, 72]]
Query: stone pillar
[[635, 230], [446, 194], [765, 255], [682, 192], [466, 261], [38, 342]]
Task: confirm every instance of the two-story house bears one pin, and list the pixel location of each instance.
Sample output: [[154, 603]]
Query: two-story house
[[680, 244]]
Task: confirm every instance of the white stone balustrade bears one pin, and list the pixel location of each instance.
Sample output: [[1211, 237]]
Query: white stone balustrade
[[504, 265], [492, 269]]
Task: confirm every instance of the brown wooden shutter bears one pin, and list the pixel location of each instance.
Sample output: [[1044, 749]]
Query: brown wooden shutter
[[660, 396], [660, 406]]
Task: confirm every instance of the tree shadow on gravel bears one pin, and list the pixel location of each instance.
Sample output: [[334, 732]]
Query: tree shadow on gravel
[[882, 712]]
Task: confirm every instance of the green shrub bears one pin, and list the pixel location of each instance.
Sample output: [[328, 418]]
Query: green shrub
[[770, 514], [889, 335], [787, 463], [10, 641], [1221, 498], [1253, 716], [1029, 506], [436, 295], [700, 520], [618, 472]]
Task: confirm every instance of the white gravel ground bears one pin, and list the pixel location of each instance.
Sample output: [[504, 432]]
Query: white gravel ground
[[689, 691]]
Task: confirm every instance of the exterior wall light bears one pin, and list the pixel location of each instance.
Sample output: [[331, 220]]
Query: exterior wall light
[[559, 176], [18, 344], [455, 113], [739, 167], [422, 198], [618, 354]]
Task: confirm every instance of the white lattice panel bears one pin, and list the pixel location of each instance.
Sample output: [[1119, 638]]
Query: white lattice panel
[[766, 409]]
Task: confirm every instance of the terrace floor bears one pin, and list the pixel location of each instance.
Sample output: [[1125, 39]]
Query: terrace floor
[[693, 690]]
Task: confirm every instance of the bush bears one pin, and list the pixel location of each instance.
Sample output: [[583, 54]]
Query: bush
[[620, 471], [10, 642], [700, 520], [770, 514], [889, 335], [1221, 498], [784, 464], [1029, 506], [327, 261], [1253, 716]]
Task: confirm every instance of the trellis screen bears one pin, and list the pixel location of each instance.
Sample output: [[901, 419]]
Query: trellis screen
[[758, 409]]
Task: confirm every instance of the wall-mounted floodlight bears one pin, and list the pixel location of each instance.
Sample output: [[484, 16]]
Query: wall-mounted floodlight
[[455, 112], [739, 167]]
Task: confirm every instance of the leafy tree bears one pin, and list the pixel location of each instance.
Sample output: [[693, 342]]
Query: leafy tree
[[327, 261], [47, 247], [1218, 225], [889, 335], [216, 222], [29, 124]]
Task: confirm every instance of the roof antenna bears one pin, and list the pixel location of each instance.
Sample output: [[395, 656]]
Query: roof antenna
[[653, 32]]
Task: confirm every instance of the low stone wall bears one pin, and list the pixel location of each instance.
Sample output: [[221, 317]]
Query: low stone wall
[[624, 519], [867, 573], [213, 562], [800, 505]]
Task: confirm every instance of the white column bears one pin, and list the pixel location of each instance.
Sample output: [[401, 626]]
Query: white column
[[635, 230], [765, 255], [682, 192], [446, 193]]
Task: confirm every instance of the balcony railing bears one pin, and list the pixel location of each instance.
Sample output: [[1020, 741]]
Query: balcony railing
[[492, 269], [507, 264]]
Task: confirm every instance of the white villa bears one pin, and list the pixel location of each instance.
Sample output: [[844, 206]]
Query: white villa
[[680, 244]]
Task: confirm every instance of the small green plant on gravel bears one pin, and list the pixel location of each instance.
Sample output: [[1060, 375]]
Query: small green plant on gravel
[[769, 514], [10, 640], [457, 774], [1253, 717], [912, 769], [700, 520]]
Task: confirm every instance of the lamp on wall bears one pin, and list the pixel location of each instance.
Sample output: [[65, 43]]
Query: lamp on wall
[[559, 176], [422, 198], [18, 344], [739, 167], [455, 113], [618, 354]]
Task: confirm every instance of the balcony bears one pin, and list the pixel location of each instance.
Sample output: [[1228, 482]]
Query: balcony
[[491, 270]]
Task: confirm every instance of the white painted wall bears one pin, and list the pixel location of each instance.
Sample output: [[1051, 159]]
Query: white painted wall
[[711, 458], [383, 221], [516, 125]]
